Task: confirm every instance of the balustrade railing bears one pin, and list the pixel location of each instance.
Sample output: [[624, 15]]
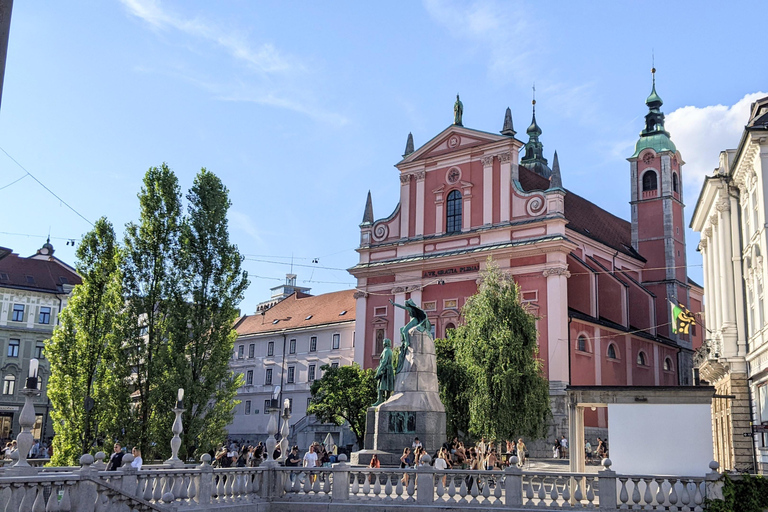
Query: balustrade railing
[[90, 488]]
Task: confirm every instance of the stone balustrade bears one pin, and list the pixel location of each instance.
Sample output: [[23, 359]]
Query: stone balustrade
[[90, 488]]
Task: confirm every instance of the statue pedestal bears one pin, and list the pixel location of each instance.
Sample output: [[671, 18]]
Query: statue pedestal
[[413, 410]]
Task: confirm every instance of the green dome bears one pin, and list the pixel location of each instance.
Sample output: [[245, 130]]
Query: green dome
[[654, 100], [658, 142]]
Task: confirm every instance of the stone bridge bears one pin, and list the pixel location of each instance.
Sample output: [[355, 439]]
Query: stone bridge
[[270, 487]]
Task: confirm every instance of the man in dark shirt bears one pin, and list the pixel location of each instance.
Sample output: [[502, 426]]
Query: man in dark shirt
[[293, 458], [116, 459]]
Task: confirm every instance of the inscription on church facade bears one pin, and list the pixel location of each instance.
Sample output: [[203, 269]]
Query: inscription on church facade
[[451, 271]]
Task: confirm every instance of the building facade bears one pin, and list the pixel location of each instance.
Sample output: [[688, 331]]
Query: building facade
[[600, 286], [285, 347], [731, 216], [33, 291]]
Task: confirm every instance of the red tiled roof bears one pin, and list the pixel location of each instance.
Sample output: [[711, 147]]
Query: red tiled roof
[[299, 310], [587, 218], [32, 273]]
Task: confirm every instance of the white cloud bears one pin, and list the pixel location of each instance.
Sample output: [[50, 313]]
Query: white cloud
[[244, 223], [264, 58], [700, 134]]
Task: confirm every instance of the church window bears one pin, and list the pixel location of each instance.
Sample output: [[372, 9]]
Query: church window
[[581, 343], [612, 351], [449, 327], [641, 359], [674, 183], [649, 181], [667, 364], [453, 215]]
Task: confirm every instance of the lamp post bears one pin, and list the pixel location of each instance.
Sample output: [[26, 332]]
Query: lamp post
[[25, 440], [177, 430]]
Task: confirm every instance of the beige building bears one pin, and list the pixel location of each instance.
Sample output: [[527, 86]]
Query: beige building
[[731, 216], [33, 291], [285, 346]]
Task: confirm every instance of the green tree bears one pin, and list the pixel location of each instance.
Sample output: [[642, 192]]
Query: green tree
[[150, 276], [344, 394], [211, 285], [87, 384], [507, 394], [453, 380]]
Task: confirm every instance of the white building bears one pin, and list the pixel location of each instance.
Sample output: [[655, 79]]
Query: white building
[[286, 345], [731, 216]]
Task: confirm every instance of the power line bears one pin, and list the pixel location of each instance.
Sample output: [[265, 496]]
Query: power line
[[14, 181], [46, 188]]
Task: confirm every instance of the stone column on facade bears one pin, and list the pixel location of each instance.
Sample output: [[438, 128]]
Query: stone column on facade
[[505, 190], [738, 280], [466, 214], [439, 216], [361, 314], [488, 190], [726, 257], [557, 320], [405, 204], [420, 175], [716, 270], [597, 351]]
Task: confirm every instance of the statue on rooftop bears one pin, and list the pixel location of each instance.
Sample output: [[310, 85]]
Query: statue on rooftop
[[458, 111], [418, 320]]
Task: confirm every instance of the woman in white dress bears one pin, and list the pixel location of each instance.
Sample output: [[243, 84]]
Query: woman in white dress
[[137, 461]]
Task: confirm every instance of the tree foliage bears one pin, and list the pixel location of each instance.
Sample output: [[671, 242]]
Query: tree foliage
[[344, 394], [454, 385], [506, 394], [151, 317], [211, 286], [85, 356]]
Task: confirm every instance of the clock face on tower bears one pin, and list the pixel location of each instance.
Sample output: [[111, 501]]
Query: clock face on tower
[[648, 158], [454, 175]]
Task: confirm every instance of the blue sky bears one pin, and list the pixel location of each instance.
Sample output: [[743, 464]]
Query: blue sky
[[301, 108]]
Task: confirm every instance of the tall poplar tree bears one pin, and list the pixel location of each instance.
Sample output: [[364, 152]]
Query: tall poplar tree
[[87, 387], [150, 274], [507, 393], [211, 285]]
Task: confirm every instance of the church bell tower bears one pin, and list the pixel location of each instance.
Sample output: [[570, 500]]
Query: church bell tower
[[658, 225]]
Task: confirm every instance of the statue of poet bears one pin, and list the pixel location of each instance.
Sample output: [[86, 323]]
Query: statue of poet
[[419, 320], [385, 373]]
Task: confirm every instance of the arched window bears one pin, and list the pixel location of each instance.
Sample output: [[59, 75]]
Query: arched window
[[9, 384], [612, 351], [581, 343], [641, 359], [453, 212], [674, 182], [649, 181], [448, 328], [667, 364]]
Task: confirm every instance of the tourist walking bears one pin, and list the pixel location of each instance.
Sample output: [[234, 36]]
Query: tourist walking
[[520, 453]]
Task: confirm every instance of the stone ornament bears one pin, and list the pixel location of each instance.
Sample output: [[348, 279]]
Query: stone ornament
[[454, 141], [556, 271], [505, 157], [723, 205], [405, 178], [487, 161], [535, 206], [419, 175], [360, 295], [380, 231]]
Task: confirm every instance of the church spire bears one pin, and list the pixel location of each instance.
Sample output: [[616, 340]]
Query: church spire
[[555, 180], [368, 215], [654, 135], [408, 145], [507, 129], [534, 149]]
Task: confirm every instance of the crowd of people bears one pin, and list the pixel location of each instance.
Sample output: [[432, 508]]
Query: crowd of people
[[39, 450], [231, 455]]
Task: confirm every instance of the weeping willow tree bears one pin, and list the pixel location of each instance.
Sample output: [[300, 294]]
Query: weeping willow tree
[[506, 392]]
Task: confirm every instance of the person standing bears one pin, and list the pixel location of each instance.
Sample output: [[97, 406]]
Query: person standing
[[563, 448], [116, 459], [588, 450], [521, 452]]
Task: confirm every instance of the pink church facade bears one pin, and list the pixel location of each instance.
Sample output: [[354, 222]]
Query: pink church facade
[[598, 284]]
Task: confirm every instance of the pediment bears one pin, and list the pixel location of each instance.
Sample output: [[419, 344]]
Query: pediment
[[452, 139]]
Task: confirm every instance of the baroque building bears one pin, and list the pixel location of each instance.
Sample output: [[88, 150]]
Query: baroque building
[[283, 348], [730, 215], [33, 291], [600, 286]]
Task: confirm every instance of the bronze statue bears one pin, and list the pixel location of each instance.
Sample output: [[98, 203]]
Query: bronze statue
[[385, 373], [419, 320], [458, 111]]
